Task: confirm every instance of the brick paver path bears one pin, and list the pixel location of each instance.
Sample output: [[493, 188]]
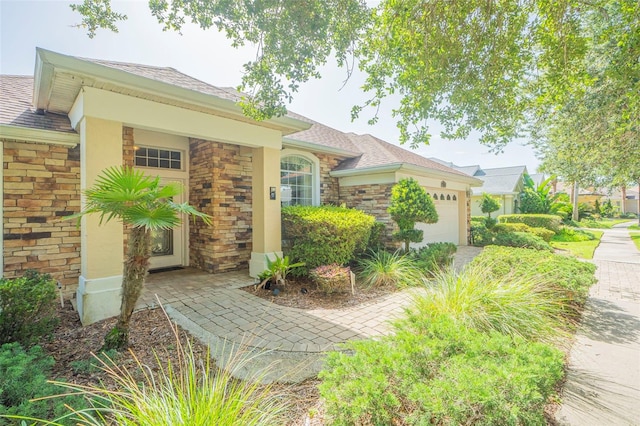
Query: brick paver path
[[603, 380], [214, 308]]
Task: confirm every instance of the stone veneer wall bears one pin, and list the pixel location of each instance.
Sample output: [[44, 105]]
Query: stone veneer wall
[[220, 186], [41, 187], [374, 200], [329, 186]]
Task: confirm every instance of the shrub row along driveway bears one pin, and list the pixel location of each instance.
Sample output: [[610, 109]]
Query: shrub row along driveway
[[603, 381]]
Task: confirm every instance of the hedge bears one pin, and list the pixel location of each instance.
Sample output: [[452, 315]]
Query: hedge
[[324, 235], [548, 221]]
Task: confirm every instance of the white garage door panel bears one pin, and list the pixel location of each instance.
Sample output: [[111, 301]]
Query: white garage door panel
[[446, 229]]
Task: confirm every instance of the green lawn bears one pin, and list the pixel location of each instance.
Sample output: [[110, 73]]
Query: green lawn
[[635, 236], [583, 249]]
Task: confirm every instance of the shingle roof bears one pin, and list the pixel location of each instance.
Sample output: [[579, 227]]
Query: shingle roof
[[170, 76], [501, 180], [16, 93], [376, 152]]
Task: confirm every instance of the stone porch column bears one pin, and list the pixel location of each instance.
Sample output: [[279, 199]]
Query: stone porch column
[[266, 211], [100, 279]]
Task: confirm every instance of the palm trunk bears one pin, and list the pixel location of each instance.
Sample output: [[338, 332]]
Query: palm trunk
[[136, 266]]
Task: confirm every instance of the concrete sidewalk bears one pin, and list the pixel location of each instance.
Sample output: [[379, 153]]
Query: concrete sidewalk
[[603, 380]]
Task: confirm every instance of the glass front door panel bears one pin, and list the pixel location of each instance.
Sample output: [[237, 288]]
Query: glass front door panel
[[162, 242]]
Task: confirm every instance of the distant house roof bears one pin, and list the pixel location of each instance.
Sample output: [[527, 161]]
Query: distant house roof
[[19, 101]]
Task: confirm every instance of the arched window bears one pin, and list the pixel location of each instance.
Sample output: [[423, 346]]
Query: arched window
[[298, 180]]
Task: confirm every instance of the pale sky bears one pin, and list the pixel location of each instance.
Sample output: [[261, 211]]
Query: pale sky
[[208, 56]]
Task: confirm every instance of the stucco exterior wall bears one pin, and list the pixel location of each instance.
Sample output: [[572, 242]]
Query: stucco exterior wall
[[220, 186], [41, 185]]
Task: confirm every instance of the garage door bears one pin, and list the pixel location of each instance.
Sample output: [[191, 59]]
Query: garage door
[[447, 227]]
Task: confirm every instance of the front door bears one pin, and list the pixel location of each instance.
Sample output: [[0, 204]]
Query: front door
[[168, 245]]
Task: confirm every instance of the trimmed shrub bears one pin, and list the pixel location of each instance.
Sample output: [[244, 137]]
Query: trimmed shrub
[[27, 309], [324, 235], [331, 278], [444, 374], [543, 233], [574, 276], [548, 221], [23, 376], [383, 268], [435, 256], [520, 239], [376, 238]]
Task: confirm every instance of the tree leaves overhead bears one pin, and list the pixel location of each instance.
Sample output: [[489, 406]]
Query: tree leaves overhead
[[491, 66]]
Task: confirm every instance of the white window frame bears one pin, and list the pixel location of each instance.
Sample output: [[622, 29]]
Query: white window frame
[[315, 171]]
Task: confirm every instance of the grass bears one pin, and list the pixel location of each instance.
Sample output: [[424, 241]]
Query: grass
[[635, 237], [516, 304], [577, 246]]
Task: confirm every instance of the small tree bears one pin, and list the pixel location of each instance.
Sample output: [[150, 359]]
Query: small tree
[[125, 194], [410, 203], [488, 204]]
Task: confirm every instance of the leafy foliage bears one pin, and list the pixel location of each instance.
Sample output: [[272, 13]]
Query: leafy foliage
[[27, 310], [574, 276], [434, 257], [409, 204], [550, 222], [443, 373], [488, 204], [520, 239], [324, 235], [23, 376], [383, 268]]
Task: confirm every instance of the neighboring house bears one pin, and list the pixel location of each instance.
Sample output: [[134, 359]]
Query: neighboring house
[[60, 128], [503, 183]]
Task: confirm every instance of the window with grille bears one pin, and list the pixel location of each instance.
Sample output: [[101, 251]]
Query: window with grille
[[158, 158]]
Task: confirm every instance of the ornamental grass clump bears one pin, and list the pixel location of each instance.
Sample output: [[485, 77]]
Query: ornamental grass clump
[[383, 268], [190, 391], [513, 304]]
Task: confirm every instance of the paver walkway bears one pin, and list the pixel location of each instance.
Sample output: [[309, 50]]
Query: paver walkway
[[214, 309], [603, 380]]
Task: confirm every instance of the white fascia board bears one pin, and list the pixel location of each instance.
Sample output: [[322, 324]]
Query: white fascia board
[[309, 146], [38, 135], [51, 60], [423, 171]]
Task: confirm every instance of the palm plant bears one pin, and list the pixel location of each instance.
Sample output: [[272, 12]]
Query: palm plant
[[140, 201]]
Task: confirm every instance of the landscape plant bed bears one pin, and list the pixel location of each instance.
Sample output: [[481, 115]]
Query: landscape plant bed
[[152, 341], [304, 294]]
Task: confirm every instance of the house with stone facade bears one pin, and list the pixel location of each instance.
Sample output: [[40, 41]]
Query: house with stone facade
[[74, 117]]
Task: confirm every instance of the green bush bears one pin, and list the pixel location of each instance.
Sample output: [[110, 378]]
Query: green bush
[[520, 239], [383, 268], [548, 221], [445, 374], [325, 235], [543, 233], [27, 309], [435, 256], [573, 235], [377, 237], [566, 272], [23, 376]]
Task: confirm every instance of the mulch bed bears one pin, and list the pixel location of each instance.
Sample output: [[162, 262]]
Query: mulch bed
[[305, 294]]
